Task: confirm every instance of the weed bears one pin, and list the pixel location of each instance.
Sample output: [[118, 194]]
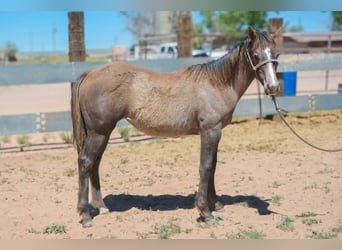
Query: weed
[[6, 139], [66, 137], [23, 140], [70, 172], [218, 217], [307, 214], [33, 231], [124, 133], [318, 235], [142, 235], [326, 189], [164, 231], [326, 170], [244, 234], [286, 224], [212, 235], [276, 184], [310, 221], [124, 160], [54, 229], [337, 229], [276, 199], [312, 186], [108, 237], [47, 137]]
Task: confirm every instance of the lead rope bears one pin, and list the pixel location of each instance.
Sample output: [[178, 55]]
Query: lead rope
[[281, 112]]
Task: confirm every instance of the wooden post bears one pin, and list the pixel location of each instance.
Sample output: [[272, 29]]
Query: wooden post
[[76, 37], [275, 27], [184, 35]]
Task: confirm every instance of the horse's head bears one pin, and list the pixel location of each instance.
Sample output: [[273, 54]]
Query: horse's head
[[263, 58]]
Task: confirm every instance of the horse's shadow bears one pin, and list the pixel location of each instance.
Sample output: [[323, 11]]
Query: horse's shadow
[[124, 202]]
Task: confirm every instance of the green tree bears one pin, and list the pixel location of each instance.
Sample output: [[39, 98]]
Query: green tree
[[337, 20], [233, 24], [11, 52]]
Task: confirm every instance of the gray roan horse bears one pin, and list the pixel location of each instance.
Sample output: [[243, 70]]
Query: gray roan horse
[[199, 99]]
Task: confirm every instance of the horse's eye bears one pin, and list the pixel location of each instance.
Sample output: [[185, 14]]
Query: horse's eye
[[256, 56]]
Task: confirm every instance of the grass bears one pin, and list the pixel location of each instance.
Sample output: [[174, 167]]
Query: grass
[[6, 139], [23, 140], [109, 237], [312, 186], [276, 199], [319, 235], [124, 133], [246, 234], [164, 231], [70, 172], [307, 214], [286, 224], [326, 170], [66, 137], [276, 184], [337, 229], [310, 221], [54, 229]]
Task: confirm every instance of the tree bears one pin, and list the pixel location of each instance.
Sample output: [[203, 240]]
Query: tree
[[233, 24], [337, 20], [11, 52], [138, 23]]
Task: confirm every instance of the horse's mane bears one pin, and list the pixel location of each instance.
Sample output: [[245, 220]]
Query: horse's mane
[[219, 71]]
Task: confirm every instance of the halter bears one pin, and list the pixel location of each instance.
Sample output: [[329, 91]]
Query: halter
[[255, 67]]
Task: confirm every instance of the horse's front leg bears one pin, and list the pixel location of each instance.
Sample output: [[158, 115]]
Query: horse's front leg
[[209, 143]]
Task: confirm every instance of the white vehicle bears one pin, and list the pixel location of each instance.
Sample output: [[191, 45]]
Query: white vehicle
[[169, 50]]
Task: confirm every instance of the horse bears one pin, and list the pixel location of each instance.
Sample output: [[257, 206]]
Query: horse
[[195, 100]]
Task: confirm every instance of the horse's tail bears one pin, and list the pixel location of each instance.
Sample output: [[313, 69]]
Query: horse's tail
[[78, 125]]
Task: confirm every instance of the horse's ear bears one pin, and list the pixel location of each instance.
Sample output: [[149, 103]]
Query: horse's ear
[[251, 33]]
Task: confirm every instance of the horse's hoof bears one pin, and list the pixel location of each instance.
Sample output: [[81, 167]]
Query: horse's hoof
[[219, 207], [103, 210], [210, 221], [87, 224]]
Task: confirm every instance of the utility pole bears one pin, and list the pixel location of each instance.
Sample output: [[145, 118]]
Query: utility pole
[[76, 37], [184, 35], [53, 37]]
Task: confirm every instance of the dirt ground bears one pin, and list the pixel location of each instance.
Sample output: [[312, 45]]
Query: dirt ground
[[272, 185]]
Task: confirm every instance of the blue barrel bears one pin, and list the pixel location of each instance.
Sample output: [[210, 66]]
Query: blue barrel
[[290, 83]]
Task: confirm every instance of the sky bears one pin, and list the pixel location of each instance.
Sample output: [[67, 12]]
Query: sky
[[48, 30]]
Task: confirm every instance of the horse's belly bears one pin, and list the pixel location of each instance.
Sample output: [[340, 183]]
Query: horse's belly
[[164, 125]]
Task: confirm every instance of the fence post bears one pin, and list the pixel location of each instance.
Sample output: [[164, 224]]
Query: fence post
[[184, 35], [275, 27], [76, 37]]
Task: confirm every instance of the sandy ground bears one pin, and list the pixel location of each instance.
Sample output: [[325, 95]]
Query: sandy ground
[[272, 185]]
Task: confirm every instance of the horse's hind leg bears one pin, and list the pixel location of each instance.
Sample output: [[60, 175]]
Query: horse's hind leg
[[88, 162], [97, 200]]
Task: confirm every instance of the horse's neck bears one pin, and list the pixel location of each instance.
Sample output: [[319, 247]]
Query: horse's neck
[[243, 75]]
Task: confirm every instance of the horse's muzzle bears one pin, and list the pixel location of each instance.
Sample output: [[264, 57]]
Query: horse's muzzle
[[272, 88]]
